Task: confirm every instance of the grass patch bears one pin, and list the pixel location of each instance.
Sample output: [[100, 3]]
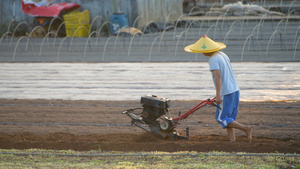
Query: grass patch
[[38, 158]]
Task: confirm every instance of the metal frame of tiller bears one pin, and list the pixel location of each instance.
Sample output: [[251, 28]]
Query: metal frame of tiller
[[153, 113]]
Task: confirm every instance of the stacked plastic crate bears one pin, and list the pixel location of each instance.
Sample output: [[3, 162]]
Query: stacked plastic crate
[[77, 24]]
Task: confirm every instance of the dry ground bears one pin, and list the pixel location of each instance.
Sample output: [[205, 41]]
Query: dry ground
[[81, 125]]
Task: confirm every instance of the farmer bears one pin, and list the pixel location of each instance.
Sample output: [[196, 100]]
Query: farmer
[[227, 90]]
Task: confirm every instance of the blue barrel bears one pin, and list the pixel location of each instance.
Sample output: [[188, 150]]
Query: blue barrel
[[118, 21]]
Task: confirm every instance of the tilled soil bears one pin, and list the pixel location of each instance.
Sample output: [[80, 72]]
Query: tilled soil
[[100, 125]]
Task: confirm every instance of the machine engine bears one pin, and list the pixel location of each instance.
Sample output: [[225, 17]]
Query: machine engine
[[153, 108]]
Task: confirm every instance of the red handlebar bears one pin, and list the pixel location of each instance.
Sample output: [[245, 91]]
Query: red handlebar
[[198, 106]]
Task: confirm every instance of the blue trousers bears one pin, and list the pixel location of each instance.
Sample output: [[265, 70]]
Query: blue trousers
[[229, 106]]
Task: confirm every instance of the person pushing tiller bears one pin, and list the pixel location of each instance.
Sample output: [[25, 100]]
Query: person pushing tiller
[[227, 90], [226, 99]]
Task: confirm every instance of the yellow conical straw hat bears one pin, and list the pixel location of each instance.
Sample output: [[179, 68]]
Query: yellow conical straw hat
[[205, 45]]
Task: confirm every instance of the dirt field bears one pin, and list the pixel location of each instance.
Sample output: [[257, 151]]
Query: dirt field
[[100, 125]]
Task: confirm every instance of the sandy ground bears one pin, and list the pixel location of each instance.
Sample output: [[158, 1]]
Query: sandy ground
[[100, 125]]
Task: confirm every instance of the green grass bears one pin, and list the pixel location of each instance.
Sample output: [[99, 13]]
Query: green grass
[[73, 159]]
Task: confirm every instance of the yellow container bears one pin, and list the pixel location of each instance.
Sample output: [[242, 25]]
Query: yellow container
[[71, 18], [82, 30], [84, 17], [77, 17], [77, 24]]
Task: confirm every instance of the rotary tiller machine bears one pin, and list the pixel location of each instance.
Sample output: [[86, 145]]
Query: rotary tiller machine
[[152, 114]]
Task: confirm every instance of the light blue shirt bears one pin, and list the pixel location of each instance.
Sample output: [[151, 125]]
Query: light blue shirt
[[220, 61]]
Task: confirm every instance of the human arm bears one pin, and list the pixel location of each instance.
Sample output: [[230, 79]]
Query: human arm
[[218, 82]]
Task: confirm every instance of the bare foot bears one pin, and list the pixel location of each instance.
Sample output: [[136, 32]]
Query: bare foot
[[249, 133]]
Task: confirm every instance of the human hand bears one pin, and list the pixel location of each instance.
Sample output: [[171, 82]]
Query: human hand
[[218, 99]]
